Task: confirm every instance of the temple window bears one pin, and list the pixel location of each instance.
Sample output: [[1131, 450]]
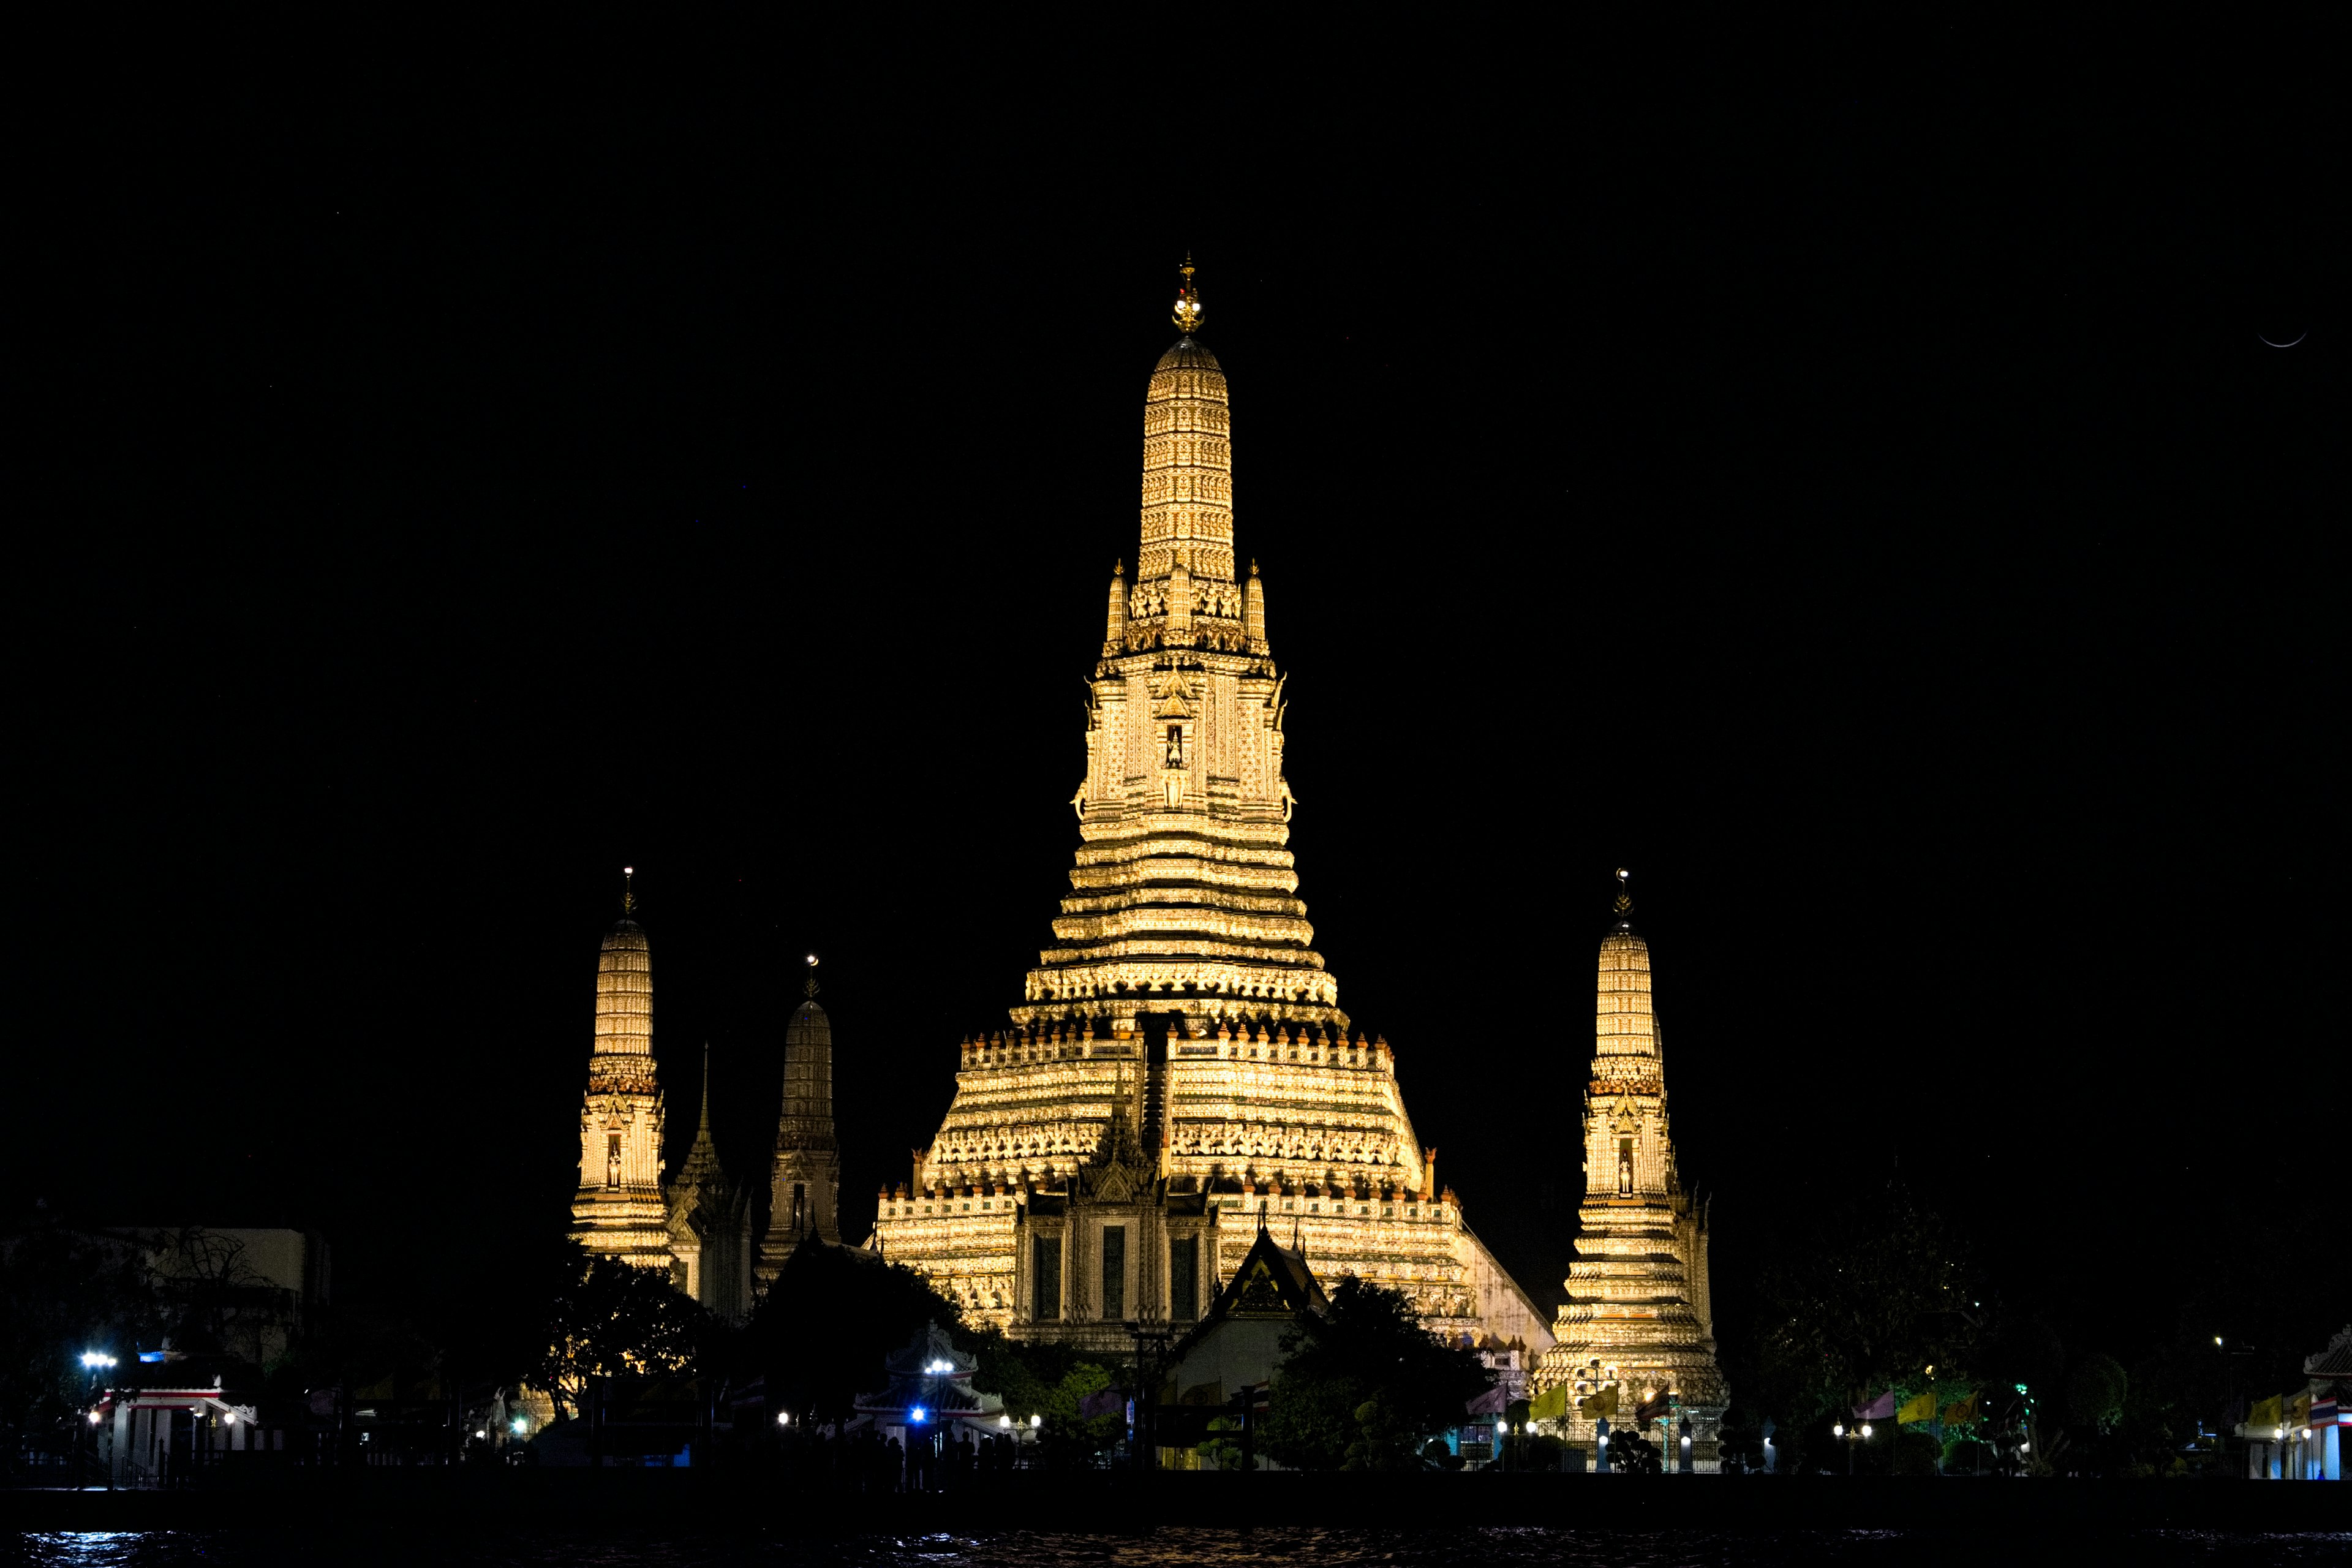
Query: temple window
[[1184, 1279], [1624, 1167], [1046, 1279], [612, 1160], [1113, 1271]]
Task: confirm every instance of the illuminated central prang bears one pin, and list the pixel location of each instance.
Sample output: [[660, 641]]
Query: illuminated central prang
[[1178, 1064]]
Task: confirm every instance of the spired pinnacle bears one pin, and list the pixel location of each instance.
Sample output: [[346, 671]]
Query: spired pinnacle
[[809, 989], [628, 890], [1187, 314], [1623, 905]]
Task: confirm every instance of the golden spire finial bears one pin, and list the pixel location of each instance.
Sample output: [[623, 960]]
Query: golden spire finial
[[628, 890], [1188, 299], [809, 989], [1624, 902]]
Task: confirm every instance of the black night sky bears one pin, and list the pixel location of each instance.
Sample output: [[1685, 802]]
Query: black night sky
[[1856, 498]]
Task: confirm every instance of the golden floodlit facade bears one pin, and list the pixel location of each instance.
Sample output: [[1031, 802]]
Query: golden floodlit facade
[[619, 1209], [1179, 1064], [1637, 1330], [696, 1227]]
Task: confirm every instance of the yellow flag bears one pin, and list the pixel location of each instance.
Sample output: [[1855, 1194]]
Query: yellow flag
[[1960, 1412], [1601, 1406], [1919, 1407], [1550, 1405]]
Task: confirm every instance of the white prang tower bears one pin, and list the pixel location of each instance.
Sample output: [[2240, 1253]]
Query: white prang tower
[[618, 1211], [1638, 1319]]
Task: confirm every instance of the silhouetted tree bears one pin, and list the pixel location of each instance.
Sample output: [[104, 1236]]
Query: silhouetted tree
[[1050, 1381], [2095, 1387], [1876, 1294], [61, 1295], [831, 1319], [1362, 1384], [609, 1319]]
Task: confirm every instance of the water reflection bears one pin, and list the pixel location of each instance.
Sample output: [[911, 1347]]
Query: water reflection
[[1292, 1548]]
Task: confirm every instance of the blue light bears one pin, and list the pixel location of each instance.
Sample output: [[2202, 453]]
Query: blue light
[[150, 1355], [916, 1415]]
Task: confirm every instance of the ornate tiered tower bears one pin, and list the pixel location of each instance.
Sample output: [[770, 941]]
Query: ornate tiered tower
[[618, 1210], [1638, 1318], [1182, 998], [805, 1196]]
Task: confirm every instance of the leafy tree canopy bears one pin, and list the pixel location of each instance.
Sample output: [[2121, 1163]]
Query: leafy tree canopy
[[829, 1321], [2095, 1387], [1048, 1381], [1878, 1294], [1363, 1385], [608, 1319], [61, 1295]]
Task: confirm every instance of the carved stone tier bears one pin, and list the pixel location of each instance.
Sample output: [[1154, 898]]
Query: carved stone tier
[[1638, 1316]]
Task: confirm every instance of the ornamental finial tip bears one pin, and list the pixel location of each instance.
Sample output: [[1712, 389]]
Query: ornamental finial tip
[[1623, 906], [1187, 313], [628, 890], [809, 989]]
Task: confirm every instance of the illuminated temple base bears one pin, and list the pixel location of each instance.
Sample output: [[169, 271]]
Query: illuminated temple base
[[1178, 1064], [1311, 1135]]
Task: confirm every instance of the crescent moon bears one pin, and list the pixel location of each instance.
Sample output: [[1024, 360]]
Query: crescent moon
[[2299, 337]]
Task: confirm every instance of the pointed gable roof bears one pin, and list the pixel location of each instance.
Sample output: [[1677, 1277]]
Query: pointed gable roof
[[1271, 1282]]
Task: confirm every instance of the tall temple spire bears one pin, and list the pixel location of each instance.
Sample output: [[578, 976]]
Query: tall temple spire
[[1188, 465], [1624, 1024], [618, 1208], [702, 1168], [709, 1221], [1179, 1055], [1184, 898], [702, 1129], [1639, 1300], [804, 1188]]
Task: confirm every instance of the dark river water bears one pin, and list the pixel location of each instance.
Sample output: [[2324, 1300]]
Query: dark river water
[[1288, 1548]]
